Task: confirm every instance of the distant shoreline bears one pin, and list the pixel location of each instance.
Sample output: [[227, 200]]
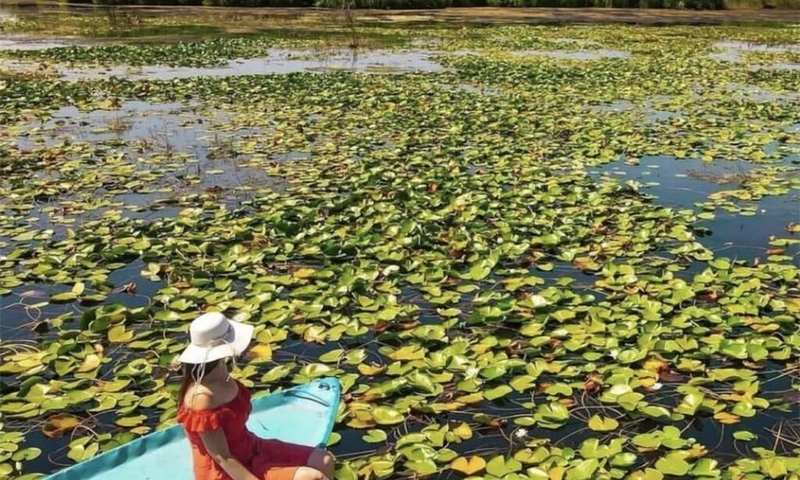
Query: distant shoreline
[[447, 15]]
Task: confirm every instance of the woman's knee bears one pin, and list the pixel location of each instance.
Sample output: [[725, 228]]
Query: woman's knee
[[321, 459], [327, 459], [308, 473]]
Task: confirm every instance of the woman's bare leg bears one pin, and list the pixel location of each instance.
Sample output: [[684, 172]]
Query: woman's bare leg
[[323, 461], [308, 473]]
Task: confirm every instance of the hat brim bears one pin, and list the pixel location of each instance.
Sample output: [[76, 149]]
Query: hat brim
[[233, 346]]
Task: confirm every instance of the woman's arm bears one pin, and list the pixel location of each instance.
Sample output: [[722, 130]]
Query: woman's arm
[[217, 446]]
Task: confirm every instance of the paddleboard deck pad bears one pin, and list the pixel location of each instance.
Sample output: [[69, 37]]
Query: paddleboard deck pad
[[304, 415]]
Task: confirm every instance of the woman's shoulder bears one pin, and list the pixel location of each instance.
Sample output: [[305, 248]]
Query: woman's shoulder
[[210, 397], [199, 397], [210, 409]]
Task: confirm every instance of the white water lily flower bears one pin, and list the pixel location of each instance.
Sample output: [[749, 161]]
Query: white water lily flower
[[521, 433]]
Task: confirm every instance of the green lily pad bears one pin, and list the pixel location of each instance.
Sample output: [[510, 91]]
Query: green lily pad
[[386, 416], [673, 466], [600, 424], [375, 436]]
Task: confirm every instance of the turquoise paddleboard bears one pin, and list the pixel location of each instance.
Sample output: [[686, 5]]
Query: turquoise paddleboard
[[304, 415]]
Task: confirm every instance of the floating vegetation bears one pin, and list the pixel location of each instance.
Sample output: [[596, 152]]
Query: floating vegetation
[[519, 266]]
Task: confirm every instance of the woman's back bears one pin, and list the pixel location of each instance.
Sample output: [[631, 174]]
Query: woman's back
[[205, 414]]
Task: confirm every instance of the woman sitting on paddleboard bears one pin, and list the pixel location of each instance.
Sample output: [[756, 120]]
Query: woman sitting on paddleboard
[[214, 408]]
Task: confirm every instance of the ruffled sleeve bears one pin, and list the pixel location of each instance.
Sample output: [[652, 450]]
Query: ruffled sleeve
[[204, 420]]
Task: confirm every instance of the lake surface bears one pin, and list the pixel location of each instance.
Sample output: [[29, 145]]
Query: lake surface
[[531, 239]]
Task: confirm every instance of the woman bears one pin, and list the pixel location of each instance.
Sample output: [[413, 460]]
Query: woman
[[213, 409]]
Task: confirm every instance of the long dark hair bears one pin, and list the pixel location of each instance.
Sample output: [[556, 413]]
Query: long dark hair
[[187, 376]]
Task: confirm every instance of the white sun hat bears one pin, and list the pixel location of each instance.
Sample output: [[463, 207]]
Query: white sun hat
[[214, 336]]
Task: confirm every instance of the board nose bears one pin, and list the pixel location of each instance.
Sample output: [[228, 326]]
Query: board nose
[[327, 383]]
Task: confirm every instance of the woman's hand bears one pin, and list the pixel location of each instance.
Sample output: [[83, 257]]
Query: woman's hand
[[217, 446]]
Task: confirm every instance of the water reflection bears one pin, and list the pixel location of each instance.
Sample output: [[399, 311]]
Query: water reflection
[[278, 61], [685, 183]]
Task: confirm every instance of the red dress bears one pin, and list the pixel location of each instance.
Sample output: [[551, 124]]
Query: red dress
[[266, 459]]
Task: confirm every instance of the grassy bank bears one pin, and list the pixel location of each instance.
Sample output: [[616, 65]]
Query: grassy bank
[[435, 4], [172, 23]]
